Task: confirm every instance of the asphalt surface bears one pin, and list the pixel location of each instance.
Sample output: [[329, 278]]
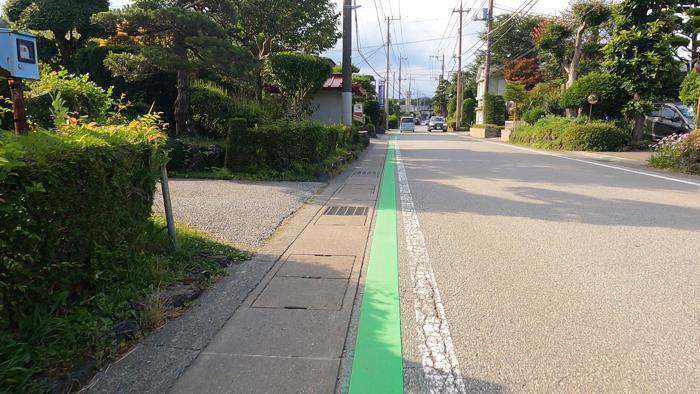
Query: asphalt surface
[[555, 275], [242, 213]]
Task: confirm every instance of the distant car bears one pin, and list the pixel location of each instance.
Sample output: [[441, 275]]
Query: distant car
[[669, 118], [437, 123], [416, 121], [407, 124]]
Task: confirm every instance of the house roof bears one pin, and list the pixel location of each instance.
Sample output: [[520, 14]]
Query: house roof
[[335, 82]]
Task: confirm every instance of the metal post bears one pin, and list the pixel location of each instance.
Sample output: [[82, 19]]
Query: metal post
[[460, 93], [168, 207], [386, 88], [487, 58], [19, 115], [347, 63]]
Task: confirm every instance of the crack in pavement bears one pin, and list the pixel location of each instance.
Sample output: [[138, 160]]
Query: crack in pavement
[[440, 365]]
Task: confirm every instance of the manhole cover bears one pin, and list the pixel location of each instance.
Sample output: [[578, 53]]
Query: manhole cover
[[346, 211]]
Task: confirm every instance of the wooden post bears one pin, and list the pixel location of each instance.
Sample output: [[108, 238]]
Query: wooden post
[[20, 117], [697, 116]]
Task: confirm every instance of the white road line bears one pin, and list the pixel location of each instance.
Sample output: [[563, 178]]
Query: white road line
[[649, 174], [440, 365]]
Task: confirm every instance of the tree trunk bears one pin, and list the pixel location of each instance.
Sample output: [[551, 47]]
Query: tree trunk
[[576, 59], [694, 58], [65, 47], [182, 102], [638, 122]]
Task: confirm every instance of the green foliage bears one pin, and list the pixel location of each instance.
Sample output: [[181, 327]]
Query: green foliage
[[571, 134], [612, 96], [68, 20], [213, 106], [338, 68], [441, 98], [546, 96], [368, 85], [680, 152], [468, 112], [266, 27], [515, 31], [236, 148], [494, 109], [533, 115], [80, 95], [373, 112], [393, 121], [298, 76], [288, 147], [515, 91], [690, 89]]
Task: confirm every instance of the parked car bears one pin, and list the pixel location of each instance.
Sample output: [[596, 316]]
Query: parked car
[[437, 123], [669, 118], [416, 121], [407, 124]]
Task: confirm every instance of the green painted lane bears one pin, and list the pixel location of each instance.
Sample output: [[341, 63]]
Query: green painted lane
[[378, 364]]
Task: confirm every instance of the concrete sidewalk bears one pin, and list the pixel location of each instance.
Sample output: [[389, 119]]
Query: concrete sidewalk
[[277, 323], [289, 334]]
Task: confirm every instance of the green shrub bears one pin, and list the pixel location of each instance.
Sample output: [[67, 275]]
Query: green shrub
[[468, 112], [533, 115], [372, 111], [82, 97], [67, 200], [553, 132], [546, 96], [393, 121], [235, 143], [213, 106], [596, 136], [690, 89], [609, 89], [494, 109], [680, 152]]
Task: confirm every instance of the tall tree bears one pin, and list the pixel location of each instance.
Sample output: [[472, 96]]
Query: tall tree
[[266, 27], [691, 28], [441, 97], [68, 20], [512, 37], [642, 51], [182, 36]]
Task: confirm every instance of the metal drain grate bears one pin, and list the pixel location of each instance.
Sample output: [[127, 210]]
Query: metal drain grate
[[346, 211], [366, 173]]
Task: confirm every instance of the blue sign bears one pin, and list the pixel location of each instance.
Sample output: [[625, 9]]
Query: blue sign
[[380, 93]]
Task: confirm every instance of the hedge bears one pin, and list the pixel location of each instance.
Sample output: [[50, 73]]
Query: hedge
[[286, 145], [213, 106], [571, 134], [468, 112], [494, 109], [609, 89], [68, 200]]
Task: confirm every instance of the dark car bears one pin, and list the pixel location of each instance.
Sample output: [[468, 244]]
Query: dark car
[[669, 118], [437, 123]]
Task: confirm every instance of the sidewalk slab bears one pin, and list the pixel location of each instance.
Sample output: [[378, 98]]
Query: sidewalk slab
[[285, 293], [217, 373]]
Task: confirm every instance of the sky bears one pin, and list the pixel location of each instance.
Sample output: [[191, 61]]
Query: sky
[[426, 28]]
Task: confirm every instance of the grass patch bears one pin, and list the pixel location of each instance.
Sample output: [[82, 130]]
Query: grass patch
[[50, 342]]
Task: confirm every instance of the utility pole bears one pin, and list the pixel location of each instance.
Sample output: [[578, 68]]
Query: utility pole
[[487, 58], [388, 52], [401, 59], [347, 63], [442, 68], [460, 93]]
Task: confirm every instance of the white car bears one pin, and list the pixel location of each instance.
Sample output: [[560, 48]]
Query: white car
[[407, 124]]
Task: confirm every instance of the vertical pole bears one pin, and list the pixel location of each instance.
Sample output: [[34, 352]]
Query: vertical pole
[[400, 63], [168, 207], [460, 93], [487, 58], [19, 115], [442, 72], [697, 116], [347, 63], [386, 88]]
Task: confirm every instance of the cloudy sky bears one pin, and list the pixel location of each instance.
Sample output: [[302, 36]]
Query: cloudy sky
[[425, 29]]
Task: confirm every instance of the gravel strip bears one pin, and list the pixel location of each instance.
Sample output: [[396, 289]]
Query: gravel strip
[[242, 213]]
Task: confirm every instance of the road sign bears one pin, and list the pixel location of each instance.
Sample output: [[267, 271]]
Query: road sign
[[18, 55]]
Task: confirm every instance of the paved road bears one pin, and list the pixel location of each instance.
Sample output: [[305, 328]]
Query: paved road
[[554, 275]]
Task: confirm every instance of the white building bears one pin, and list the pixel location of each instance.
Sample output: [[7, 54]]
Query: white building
[[497, 86]]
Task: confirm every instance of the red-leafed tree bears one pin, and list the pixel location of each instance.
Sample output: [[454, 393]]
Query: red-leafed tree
[[524, 70]]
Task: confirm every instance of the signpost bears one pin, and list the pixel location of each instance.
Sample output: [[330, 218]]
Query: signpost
[[18, 61]]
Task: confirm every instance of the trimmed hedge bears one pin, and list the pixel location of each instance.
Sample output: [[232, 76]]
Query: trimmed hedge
[[533, 115], [213, 106], [468, 112], [612, 96], [286, 145], [571, 134], [68, 200], [494, 110]]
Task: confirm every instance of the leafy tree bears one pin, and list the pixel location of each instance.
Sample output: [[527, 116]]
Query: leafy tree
[[368, 85], [690, 89], [298, 76], [468, 112], [441, 97], [642, 51], [338, 68], [512, 37], [68, 20], [691, 27], [515, 91], [545, 96], [525, 70], [182, 36]]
